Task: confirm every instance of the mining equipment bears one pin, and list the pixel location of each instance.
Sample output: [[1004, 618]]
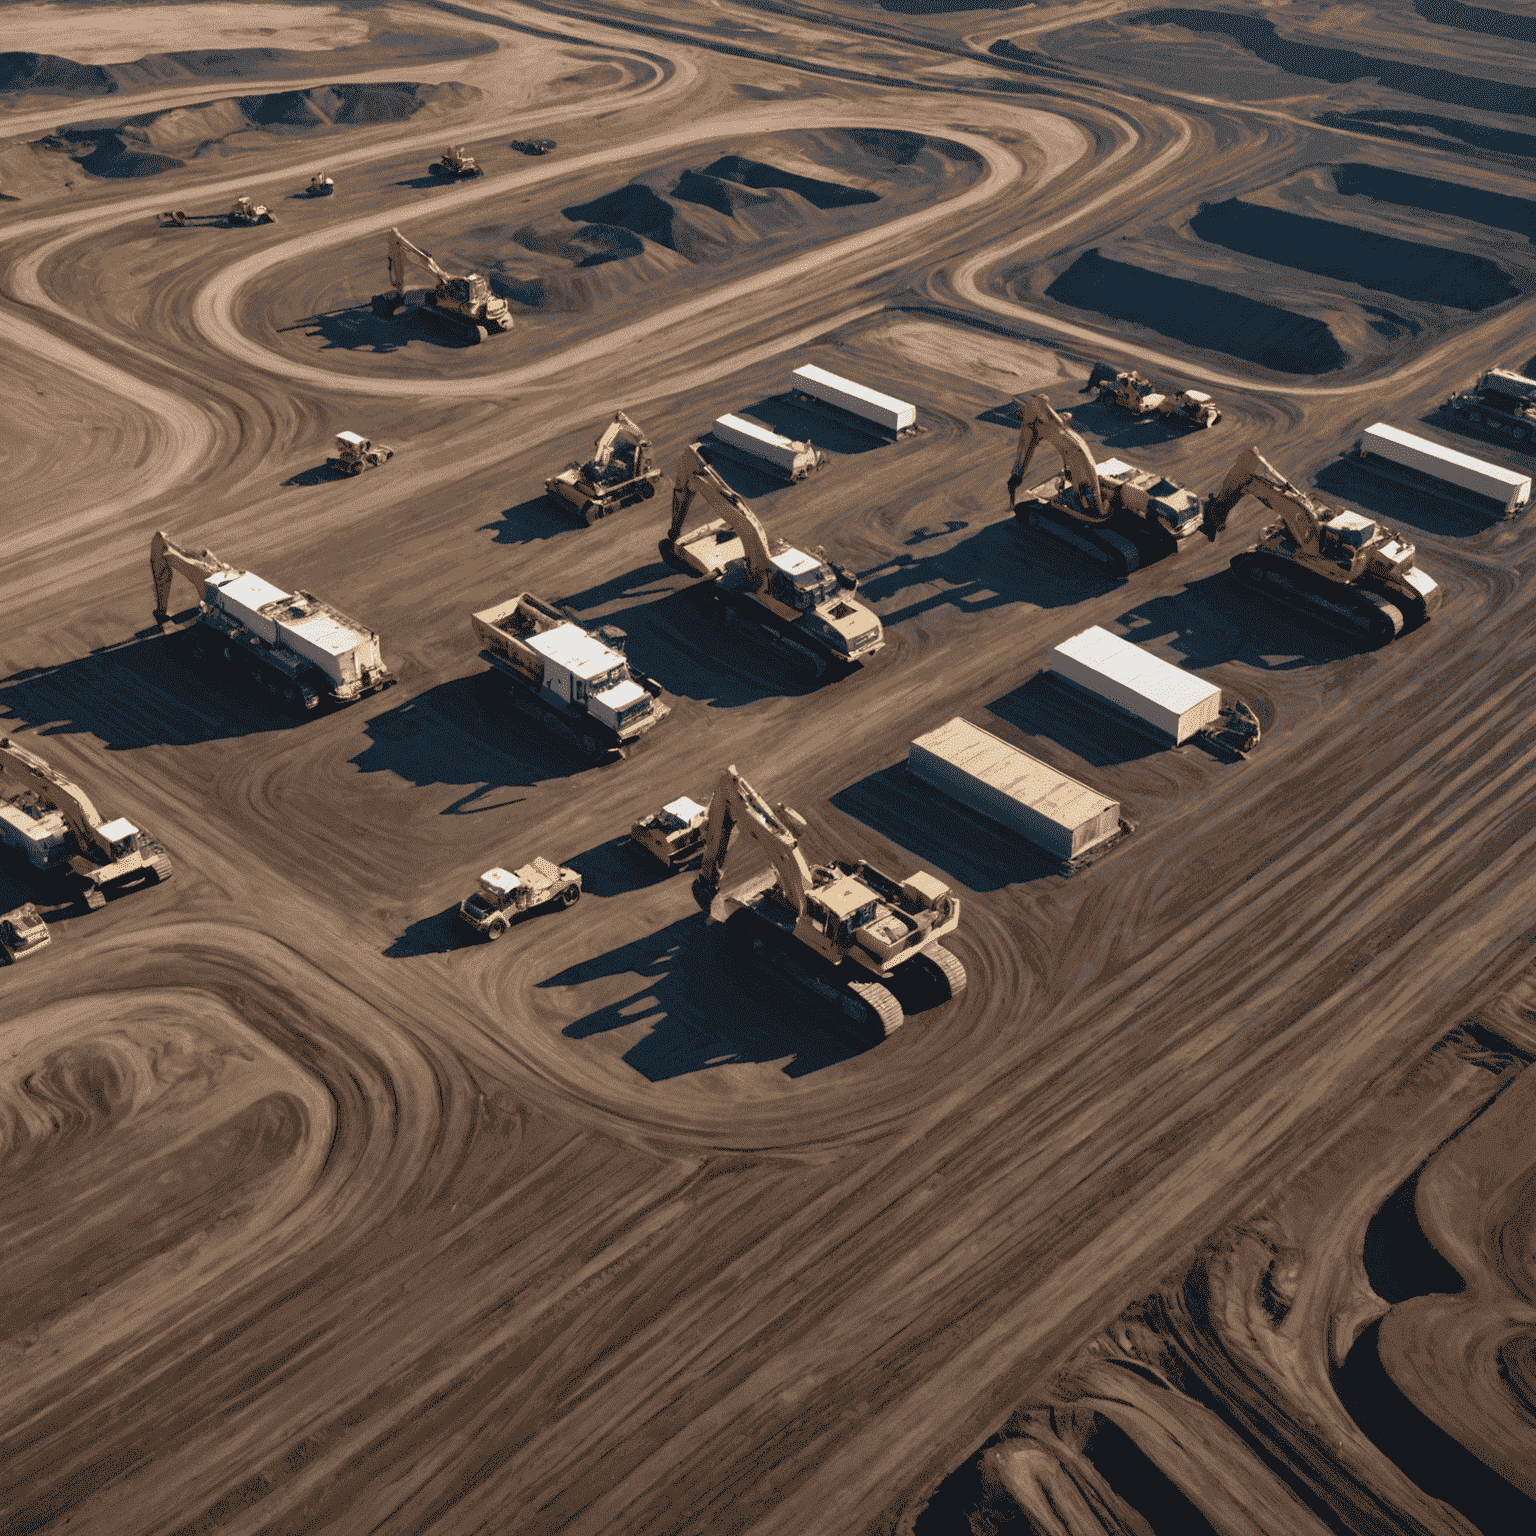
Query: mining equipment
[[759, 449], [457, 163], [1502, 403], [802, 602], [320, 185], [465, 305], [837, 931], [1234, 733], [576, 683], [247, 212], [22, 932], [354, 454], [1339, 568], [54, 826], [618, 474], [674, 835], [291, 644], [504, 895], [1116, 515], [1133, 392], [533, 146]]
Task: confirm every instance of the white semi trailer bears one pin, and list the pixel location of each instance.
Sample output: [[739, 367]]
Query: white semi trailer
[[1384, 445], [767, 450]]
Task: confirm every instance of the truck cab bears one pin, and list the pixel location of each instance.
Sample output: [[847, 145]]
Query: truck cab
[[503, 895], [22, 932]]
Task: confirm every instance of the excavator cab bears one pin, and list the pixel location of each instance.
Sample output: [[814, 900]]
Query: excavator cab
[[118, 838]]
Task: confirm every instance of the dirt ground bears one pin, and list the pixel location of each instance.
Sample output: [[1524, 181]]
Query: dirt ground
[[1205, 1206]]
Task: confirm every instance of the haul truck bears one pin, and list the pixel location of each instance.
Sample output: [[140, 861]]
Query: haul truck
[[577, 684], [54, 826], [291, 644], [504, 895], [1132, 391]]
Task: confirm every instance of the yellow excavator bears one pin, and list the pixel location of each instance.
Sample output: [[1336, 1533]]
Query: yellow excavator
[[54, 826], [1114, 514], [802, 602], [1339, 568], [618, 474], [837, 931], [465, 305]]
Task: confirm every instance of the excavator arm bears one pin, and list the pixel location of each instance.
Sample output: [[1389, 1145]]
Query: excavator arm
[[696, 478], [403, 254], [621, 426], [736, 803], [20, 769], [166, 558], [1253, 475], [1039, 422]]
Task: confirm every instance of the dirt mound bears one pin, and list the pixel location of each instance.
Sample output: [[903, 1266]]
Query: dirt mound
[[759, 175], [635, 208], [1199, 315]]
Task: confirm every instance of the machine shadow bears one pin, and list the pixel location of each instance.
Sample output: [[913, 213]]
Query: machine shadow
[[750, 483], [617, 867], [140, 693], [435, 935], [359, 329], [529, 522], [317, 474], [1047, 707], [1395, 503], [941, 834], [1119, 429], [789, 418], [688, 988]]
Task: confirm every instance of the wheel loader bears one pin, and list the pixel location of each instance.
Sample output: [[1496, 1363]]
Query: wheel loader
[[320, 185], [837, 932], [618, 474], [457, 163], [1132, 391], [503, 896], [1114, 514], [464, 305], [1340, 569], [354, 454]]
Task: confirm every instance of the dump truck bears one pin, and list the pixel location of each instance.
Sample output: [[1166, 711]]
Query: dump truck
[[576, 683], [354, 454], [247, 212], [52, 824], [320, 185], [1337, 567], [465, 305], [618, 474], [457, 163], [836, 932], [505, 895], [292, 645], [22, 932], [802, 602], [673, 835], [1502, 404], [533, 146], [1114, 514], [1132, 391]]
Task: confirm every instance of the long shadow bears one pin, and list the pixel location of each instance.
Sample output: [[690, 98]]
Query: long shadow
[[1212, 621], [615, 868], [359, 329], [1347, 481], [941, 833], [318, 474], [1430, 274], [789, 418], [1073, 718], [530, 521], [640, 585], [1424, 1453], [1199, 315], [420, 183], [464, 732], [1400, 1261], [1477, 18], [141, 693], [436, 935], [702, 1009], [1119, 429], [1496, 209]]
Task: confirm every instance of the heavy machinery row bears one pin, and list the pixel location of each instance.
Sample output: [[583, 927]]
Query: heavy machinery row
[[842, 933]]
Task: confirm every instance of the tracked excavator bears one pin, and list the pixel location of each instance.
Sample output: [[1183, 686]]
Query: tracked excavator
[[1339, 568], [618, 474], [837, 932], [465, 305], [456, 162], [802, 602], [1114, 514], [1132, 391], [54, 826]]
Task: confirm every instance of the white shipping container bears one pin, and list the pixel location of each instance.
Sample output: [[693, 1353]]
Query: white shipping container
[[1166, 697], [243, 595], [1010, 787], [1508, 489], [783, 453], [319, 638], [884, 410]]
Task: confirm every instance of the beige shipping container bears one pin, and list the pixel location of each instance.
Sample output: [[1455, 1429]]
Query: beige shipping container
[[1008, 786], [1166, 697]]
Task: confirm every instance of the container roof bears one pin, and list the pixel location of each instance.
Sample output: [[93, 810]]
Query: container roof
[[751, 428], [1122, 662], [571, 647], [112, 830], [811, 371], [797, 564], [1444, 454], [247, 588]]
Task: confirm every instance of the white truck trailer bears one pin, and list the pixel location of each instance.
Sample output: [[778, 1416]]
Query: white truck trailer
[[1428, 461], [1173, 702], [868, 406], [764, 449]]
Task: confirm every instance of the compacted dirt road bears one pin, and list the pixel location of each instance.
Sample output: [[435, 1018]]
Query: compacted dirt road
[[318, 1216]]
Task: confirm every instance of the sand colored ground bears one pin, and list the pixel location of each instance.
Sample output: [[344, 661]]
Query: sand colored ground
[[117, 34]]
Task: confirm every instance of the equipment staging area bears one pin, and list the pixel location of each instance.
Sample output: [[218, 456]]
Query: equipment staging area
[[1187, 1190]]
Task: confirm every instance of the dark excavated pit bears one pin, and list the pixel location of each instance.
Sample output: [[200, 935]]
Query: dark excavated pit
[[1456, 200]]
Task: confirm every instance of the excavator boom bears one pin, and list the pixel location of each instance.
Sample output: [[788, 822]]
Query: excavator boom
[[620, 426], [22, 769], [736, 803], [403, 254], [1040, 422], [694, 478], [166, 558], [1253, 475]]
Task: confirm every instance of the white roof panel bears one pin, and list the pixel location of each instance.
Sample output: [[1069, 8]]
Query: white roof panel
[[795, 562], [571, 647], [751, 428], [112, 830], [248, 588], [1149, 675], [683, 808], [890, 402], [1446, 455], [499, 879]]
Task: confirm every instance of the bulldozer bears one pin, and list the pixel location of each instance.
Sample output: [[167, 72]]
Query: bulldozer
[[674, 834], [54, 826], [1116, 515], [457, 163], [320, 185], [618, 474], [354, 454], [1338, 567], [247, 212], [22, 932], [837, 932], [1132, 391], [802, 602], [465, 305]]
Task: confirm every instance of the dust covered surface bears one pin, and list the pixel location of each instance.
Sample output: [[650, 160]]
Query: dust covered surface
[[1204, 1207]]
